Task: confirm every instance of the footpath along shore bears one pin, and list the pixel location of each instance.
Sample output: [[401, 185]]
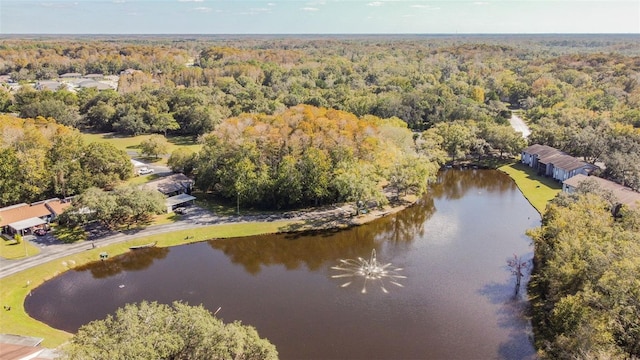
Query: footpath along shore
[[318, 219]]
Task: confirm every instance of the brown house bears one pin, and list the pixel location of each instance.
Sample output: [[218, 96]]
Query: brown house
[[24, 218]]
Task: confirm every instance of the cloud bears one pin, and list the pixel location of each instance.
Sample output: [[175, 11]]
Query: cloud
[[309, 9], [427, 7], [375, 3], [202, 9], [271, 4], [59, 5]]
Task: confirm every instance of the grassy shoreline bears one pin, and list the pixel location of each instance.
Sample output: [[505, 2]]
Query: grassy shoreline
[[536, 189], [15, 288]]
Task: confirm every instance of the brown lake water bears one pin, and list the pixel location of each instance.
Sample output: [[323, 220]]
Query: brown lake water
[[457, 300]]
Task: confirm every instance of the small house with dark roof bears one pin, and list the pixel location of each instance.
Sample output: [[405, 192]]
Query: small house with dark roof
[[176, 187]]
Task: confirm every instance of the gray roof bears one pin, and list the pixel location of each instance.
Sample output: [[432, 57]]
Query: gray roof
[[624, 194], [171, 183], [541, 150], [48, 85], [28, 223], [70, 75], [179, 199], [93, 84]]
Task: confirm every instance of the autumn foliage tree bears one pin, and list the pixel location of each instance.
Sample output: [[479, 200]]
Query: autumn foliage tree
[[585, 284], [308, 155]]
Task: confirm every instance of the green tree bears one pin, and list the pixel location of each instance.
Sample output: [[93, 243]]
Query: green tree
[[106, 164], [155, 145], [412, 173], [176, 331], [358, 183], [182, 160], [457, 138], [11, 189]]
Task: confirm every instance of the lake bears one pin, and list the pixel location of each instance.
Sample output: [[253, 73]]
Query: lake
[[457, 301]]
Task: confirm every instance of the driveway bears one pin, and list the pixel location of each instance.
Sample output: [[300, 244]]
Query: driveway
[[518, 125]]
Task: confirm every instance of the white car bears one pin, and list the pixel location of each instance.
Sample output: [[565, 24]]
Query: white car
[[144, 170]]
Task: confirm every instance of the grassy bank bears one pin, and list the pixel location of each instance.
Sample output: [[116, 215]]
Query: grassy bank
[[10, 249], [539, 190], [14, 289]]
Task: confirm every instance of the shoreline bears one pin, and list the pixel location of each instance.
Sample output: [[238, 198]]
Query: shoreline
[[42, 267]]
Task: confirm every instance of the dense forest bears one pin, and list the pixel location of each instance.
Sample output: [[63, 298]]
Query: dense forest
[[295, 121], [580, 94], [585, 283], [40, 158]]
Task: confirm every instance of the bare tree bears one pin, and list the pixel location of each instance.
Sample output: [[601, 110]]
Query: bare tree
[[517, 266]]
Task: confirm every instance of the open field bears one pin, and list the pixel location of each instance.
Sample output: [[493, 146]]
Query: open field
[[132, 143], [539, 190]]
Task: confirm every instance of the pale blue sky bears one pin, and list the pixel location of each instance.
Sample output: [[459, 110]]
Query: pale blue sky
[[317, 17]]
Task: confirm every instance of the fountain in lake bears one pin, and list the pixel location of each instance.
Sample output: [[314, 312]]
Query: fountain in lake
[[369, 271]]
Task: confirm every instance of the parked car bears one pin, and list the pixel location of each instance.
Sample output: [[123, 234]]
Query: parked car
[[40, 232], [180, 210], [144, 170]]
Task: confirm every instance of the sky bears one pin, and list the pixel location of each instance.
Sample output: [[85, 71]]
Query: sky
[[318, 16]]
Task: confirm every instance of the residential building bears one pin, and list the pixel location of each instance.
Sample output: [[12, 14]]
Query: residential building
[[24, 218], [625, 195], [551, 162]]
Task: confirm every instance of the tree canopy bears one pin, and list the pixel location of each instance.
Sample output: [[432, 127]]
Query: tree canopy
[[309, 155], [41, 158], [150, 330], [585, 286]]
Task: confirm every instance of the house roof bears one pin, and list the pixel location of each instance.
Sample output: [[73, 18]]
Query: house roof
[[19, 352], [57, 206], [27, 223], [19, 212], [624, 194], [93, 84], [179, 199], [48, 85], [70, 75], [542, 150], [169, 184], [568, 162]]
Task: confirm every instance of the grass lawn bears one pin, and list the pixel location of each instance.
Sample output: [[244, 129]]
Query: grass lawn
[[10, 249], [539, 190], [139, 180], [128, 143], [15, 288]]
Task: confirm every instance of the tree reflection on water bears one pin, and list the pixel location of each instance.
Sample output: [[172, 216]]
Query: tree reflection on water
[[135, 260]]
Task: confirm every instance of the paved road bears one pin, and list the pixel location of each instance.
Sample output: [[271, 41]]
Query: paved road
[[518, 125], [194, 218]]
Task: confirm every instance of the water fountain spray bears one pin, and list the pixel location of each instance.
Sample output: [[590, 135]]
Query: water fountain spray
[[370, 271]]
